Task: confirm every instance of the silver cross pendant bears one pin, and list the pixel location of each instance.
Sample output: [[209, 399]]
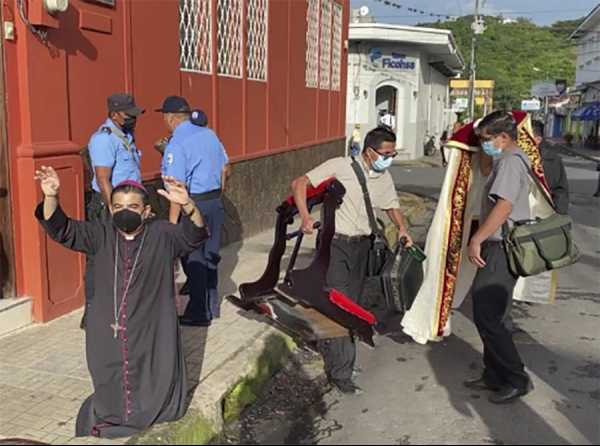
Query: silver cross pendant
[[116, 328]]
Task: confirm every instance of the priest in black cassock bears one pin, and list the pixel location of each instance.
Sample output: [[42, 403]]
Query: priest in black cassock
[[133, 343]]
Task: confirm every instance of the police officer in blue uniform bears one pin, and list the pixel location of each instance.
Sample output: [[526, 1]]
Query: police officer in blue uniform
[[114, 158], [196, 156]]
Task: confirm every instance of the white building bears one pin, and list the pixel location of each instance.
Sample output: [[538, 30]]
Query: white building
[[403, 71], [587, 36]]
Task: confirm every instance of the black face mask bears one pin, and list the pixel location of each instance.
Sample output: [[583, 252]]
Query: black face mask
[[129, 124], [127, 221]]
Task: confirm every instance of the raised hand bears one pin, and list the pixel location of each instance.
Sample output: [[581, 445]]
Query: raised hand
[[176, 191], [49, 181]]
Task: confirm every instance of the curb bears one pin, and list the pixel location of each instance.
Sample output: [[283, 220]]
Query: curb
[[223, 395]]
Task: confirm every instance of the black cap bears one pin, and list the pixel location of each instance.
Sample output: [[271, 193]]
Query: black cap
[[123, 102], [175, 104]]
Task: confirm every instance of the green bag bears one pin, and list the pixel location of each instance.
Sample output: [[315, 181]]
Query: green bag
[[538, 245]]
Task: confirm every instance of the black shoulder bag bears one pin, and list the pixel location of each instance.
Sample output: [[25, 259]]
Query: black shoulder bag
[[399, 270], [380, 251]]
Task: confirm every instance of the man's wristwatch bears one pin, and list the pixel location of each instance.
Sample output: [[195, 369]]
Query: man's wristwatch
[[189, 213]]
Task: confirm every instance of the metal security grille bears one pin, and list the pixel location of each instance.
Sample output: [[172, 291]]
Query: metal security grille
[[229, 37], [258, 19], [195, 35], [312, 44], [325, 68], [336, 56]]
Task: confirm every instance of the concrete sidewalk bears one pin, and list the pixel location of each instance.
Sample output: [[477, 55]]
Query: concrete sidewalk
[[588, 153], [44, 377]]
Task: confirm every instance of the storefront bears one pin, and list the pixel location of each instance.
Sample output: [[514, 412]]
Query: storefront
[[399, 75]]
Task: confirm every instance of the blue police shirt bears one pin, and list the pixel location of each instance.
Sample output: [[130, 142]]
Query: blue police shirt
[[196, 156], [110, 147]]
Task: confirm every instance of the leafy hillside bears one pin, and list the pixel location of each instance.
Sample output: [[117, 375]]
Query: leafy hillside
[[516, 54]]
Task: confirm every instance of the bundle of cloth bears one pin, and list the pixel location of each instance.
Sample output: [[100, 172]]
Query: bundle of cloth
[[448, 272]]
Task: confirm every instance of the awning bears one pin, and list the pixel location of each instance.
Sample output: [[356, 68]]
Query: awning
[[588, 112]]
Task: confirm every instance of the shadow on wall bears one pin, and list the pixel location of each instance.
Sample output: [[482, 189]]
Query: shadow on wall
[[70, 38], [258, 186]]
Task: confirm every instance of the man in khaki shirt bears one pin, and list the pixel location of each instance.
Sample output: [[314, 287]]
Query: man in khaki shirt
[[351, 243]]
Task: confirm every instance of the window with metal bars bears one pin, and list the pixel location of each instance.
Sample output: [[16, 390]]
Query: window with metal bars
[[229, 37], [325, 60], [257, 44], [336, 54], [195, 36], [312, 43]]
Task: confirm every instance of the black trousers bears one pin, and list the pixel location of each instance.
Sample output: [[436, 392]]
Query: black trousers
[[201, 266], [346, 273], [492, 293]]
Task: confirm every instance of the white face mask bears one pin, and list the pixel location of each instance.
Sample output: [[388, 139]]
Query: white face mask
[[382, 163], [490, 149]]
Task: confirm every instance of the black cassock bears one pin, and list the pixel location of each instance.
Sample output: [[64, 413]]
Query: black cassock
[[139, 376]]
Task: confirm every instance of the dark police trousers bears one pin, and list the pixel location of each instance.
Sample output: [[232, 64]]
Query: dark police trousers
[[201, 265], [347, 272], [95, 210], [492, 293]]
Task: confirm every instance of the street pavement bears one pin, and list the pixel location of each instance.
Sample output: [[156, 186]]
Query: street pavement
[[414, 393]]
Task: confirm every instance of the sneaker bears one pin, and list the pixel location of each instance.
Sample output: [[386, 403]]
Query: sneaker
[[347, 387]]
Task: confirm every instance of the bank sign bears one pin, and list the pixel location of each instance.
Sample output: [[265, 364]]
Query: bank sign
[[395, 61]]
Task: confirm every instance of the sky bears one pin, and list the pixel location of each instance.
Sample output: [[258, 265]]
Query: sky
[[541, 12]]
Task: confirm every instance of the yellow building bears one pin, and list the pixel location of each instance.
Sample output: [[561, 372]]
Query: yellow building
[[484, 94]]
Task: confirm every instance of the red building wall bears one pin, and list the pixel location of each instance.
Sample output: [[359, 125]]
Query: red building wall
[[56, 98]]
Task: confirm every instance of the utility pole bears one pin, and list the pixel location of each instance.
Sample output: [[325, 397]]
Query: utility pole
[[477, 28]]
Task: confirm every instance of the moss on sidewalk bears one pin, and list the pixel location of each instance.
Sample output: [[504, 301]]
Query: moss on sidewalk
[[276, 352]]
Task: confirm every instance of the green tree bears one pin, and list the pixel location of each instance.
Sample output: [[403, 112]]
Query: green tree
[[516, 54]]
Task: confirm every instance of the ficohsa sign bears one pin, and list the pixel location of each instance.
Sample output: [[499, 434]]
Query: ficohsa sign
[[395, 61]]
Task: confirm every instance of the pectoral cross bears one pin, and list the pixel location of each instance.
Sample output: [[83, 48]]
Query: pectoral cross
[[116, 327]]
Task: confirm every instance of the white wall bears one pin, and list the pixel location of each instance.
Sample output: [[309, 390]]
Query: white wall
[[588, 57], [363, 81], [422, 96]]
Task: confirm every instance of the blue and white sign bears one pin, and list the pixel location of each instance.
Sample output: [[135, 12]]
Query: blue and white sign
[[531, 105], [393, 61]]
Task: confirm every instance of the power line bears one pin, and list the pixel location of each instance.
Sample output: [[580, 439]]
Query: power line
[[495, 14], [394, 4]]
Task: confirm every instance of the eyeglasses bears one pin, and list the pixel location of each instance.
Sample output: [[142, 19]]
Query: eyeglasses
[[388, 155]]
